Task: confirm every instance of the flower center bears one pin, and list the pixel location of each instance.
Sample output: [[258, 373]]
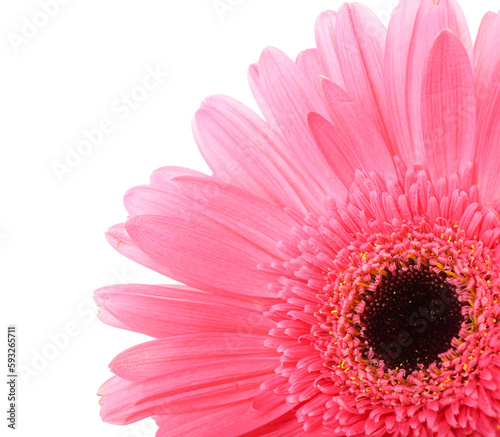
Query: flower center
[[411, 317]]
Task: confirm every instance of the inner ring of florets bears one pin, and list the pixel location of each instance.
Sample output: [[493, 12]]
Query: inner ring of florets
[[439, 258]]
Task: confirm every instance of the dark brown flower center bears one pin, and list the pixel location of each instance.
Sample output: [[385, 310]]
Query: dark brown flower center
[[411, 318]]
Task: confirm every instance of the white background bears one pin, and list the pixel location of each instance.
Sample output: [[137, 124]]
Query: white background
[[64, 77]]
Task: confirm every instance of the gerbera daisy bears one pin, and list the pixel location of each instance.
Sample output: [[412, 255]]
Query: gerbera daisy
[[341, 265]]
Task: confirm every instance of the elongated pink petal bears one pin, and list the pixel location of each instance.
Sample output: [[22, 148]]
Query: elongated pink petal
[[161, 311], [431, 19], [311, 67], [483, 53], [183, 390], [150, 199], [245, 360], [488, 98], [326, 41], [398, 40], [412, 29], [359, 131], [256, 86], [119, 239], [336, 148], [247, 367], [113, 384], [487, 60], [481, 38], [162, 177], [135, 403], [191, 197], [448, 108], [361, 40], [183, 351], [488, 142], [286, 425], [236, 419], [290, 97], [245, 151], [185, 293], [259, 221], [106, 317], [185, 246]]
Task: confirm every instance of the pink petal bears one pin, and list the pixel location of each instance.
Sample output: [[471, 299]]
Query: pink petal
[[184, 390], [261, 222], [119, 239], [201, 251], [105, 317], [183, 351], [448, 108], [487, 59], [139, 402], [361, 42], [284, 426], [359, 131], [412, 30], [311, 67], [177, 376], [236, 419], [257, 220], [243, 150], [256, 86], [488, 142], [482, 35], [150, 199], [161, 311], [290, 97], [432, 17], [335, 147], [162, 177], [326, 41], [113, 384], [397, 46]]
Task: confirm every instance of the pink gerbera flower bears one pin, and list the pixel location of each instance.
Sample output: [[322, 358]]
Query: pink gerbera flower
[[342, 263]]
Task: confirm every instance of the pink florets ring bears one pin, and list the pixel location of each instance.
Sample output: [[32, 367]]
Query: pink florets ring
[[406, 314]]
